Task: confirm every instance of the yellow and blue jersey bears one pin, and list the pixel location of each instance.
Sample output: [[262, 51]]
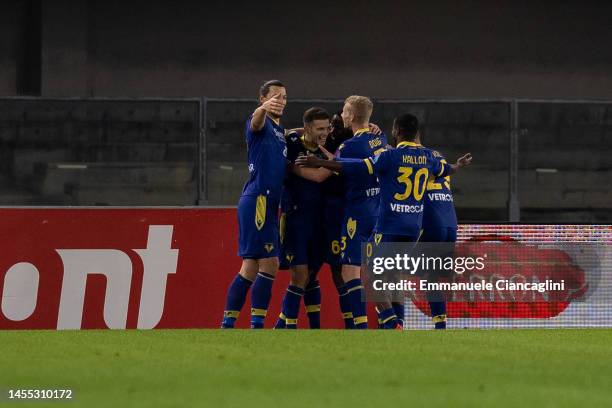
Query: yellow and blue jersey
[[362, 193], [258, 205], [300, 193], [302, 205], [267, 157], [439, 206], [333, 202], [403, 173]]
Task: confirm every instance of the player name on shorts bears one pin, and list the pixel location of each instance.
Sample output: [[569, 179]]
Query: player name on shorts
[[440, 197], [406, 208], [408, 159]]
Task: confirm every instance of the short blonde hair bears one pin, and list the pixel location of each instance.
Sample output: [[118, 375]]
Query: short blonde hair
[[361, 106]]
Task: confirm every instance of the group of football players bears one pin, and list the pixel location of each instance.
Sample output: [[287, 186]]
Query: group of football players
[[339, 185]]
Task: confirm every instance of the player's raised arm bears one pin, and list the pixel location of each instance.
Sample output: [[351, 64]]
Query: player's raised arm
[[463, 161], [442, 169], [272, 99]]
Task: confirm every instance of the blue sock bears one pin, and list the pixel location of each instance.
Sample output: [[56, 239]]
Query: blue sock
[[236, 295], [388, 320], [437, 305], [312, 301], [281, 322], [260, 299], [291, 306], [345, 307], [354, 290], [398, 308]]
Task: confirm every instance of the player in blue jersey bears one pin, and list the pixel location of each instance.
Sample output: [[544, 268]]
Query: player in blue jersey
[[258, 207], [361, 201], [302, 220], [439, 225], [333, 215], [403, 173], [311, 219]]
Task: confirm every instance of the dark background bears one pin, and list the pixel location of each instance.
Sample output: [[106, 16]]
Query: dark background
[[96, 151], [321, 49]]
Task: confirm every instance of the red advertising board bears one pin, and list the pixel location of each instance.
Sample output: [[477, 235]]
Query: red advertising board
[[125, 268], [86, 268]]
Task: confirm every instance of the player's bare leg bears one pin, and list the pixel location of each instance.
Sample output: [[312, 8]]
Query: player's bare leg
[[299, 276], [350, 272], [249, 269], [268, 265]]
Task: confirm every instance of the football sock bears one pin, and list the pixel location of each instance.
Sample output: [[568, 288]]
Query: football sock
[[398, 308], [291, 307], [312, 301], [388, 320], [354, 290], [437, 305], [345, 307], [236, 295], [260, 299]]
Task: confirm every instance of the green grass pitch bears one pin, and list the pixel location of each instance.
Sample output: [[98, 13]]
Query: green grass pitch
[[242, 368]]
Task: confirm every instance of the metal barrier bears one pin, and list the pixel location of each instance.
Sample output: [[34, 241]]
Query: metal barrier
[[99, 151], [521, 172], [535, 160]]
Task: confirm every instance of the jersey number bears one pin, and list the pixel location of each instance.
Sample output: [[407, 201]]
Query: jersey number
[[432, 185], [336, 246], [414, 186]]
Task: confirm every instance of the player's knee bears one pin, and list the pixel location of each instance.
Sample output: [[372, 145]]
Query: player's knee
[[269, 265], [249, 269], [337, 277], [350, 272], [299, 276]]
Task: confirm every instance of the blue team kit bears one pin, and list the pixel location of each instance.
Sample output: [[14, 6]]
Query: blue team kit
[[258, 205], [361, 195]]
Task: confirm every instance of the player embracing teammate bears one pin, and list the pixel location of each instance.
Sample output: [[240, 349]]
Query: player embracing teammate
[[404, 174], [376, 183]]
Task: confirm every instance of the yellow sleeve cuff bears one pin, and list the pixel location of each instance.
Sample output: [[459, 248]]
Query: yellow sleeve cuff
[[369, 166], [441, 170]]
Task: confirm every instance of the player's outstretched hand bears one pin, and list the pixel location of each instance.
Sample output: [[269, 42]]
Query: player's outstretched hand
[[464, 160], [326, 153], [308, 161], [273, 105], [374, 129]]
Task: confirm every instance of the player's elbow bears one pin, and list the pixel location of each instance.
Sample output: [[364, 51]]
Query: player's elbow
[[256, 127], [322, 175]]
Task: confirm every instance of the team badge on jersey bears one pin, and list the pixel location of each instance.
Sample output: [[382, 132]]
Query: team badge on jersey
[[377, 238], [351, 227], [269, 247]]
